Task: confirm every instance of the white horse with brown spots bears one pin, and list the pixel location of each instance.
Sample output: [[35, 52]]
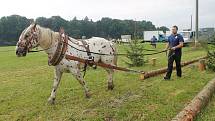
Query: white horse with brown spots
[[35, 35]]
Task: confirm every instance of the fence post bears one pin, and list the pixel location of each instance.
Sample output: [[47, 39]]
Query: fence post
[[202, 65], [154, 61], [142, 76]]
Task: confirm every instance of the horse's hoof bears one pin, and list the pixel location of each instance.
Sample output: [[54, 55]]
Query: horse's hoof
[[51, 101], [110, 86], [88, 95]]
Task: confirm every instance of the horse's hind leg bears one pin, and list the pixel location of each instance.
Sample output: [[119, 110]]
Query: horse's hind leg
[[77, 74], [110, 78], [57, 78]]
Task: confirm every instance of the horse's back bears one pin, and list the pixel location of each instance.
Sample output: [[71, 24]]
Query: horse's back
[[98, 41], [102, 49], [103, 46]]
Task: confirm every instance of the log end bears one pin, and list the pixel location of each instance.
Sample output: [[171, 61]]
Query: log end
[[142, 76]]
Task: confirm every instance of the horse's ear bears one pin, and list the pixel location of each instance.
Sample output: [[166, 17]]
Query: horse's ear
[[34, 27], [61, 30], [32, 21]]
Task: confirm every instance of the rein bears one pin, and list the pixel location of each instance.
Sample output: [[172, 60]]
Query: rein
[[62, 47], [119, 54]]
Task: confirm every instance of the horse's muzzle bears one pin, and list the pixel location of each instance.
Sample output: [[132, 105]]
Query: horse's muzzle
[[21, 52]]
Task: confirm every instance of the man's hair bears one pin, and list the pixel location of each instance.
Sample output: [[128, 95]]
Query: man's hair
[[175, 27]]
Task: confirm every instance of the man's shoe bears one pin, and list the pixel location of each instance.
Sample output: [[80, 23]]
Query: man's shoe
[[166, 78], [179, 76]]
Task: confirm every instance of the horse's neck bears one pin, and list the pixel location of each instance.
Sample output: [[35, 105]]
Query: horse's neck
[[47, 39]]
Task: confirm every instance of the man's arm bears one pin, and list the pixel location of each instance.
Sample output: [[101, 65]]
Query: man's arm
[[181, 44]]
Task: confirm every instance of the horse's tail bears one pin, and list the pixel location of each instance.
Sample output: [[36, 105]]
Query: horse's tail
[[115, 55]]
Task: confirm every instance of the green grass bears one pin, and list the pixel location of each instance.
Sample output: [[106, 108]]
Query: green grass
[[26, 83], [207, 114]]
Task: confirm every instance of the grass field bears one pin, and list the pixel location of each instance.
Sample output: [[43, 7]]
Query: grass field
[[208, 113], [25, 85]]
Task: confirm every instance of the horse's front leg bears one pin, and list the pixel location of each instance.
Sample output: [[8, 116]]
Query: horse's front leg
[[77, 74], [57, 78], [110, 79]]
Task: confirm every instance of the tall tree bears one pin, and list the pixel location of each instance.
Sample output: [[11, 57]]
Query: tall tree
[[163, 28], [12, 26]]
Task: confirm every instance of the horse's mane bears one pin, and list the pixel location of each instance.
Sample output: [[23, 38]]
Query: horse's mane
[[46, 31]]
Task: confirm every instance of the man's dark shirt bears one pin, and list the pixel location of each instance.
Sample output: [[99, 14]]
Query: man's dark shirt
[[153, 40], [174, 40]]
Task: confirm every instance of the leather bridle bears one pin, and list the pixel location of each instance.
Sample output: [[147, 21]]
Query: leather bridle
[[29, 42]]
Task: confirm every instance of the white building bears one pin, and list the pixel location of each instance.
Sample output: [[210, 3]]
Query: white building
[[125, 38]]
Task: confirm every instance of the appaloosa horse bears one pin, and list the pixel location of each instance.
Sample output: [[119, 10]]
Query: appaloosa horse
[[35, 35]]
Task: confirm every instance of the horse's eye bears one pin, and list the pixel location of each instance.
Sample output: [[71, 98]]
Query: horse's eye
[[26, 36]]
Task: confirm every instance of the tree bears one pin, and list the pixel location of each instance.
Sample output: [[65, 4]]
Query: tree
[[88, 27], [54, 23], [211, 53], [135, 53], [12, 26], [163, 28], [103, 27]]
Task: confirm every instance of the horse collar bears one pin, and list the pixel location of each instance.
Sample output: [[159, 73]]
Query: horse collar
[[60, 50]]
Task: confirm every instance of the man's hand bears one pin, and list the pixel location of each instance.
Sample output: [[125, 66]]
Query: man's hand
[[173, 48], [181, 44]]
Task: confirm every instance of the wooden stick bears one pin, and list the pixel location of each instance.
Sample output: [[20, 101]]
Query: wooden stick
[[153, 61], [202, 65]]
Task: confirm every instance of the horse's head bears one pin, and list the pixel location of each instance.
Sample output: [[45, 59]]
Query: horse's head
[[27, 40]]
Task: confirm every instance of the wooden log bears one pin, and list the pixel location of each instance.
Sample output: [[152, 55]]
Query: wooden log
[[197, 104], [202, 65], [164, 70]]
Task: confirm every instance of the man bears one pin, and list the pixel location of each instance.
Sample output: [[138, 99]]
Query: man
[[175, 44], [153, 41]]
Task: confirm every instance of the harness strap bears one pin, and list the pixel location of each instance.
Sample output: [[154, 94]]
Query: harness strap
[[86, 46], [63, 50], [60, 51], [90, 60], [70, 57]]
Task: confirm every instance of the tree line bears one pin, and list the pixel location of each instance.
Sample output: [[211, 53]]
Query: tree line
[[12, 26]]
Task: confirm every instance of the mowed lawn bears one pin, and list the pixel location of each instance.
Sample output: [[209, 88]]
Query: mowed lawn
[[208, 113], [26, 83]]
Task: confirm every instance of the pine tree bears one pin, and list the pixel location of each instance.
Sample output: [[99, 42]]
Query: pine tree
[[211, 53], [135, 53]]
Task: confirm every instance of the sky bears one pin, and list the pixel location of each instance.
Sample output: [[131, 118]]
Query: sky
[[159, 12]]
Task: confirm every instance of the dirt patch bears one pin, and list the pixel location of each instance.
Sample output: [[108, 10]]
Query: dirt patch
[[128, 96]]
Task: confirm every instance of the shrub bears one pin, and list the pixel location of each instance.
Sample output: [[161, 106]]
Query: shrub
[[135, 54], [211, 61], [211, 52]]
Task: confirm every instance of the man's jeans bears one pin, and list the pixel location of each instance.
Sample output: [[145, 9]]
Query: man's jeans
[[171, 58]]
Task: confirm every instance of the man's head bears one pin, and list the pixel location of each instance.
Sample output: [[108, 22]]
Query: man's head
[[174, 29]]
